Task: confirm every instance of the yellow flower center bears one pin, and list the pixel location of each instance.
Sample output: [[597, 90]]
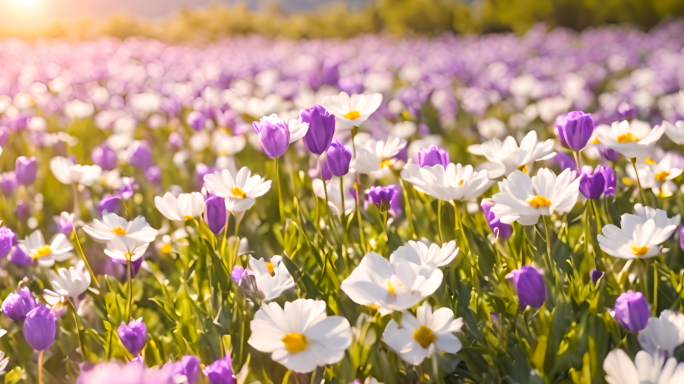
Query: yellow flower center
[[424, 336], [639, 251], [662, 175], [626, 138], [119, 231], [538, 201], [374, 307], [42, 251], [271, 268], [385, 162], [596, 141], [627, 181], [523, 168], [166, 248], [649, 161], [188, 217], [664, 194], [390, 289], [238, 193], [294, 342], [352, 115], [460, 182]]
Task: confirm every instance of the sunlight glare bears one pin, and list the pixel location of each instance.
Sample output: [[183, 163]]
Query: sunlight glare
[[24, 2]]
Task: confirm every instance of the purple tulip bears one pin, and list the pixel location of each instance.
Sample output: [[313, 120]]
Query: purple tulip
[[188, 366], [153, 174], [608, 153], [18, 304], [631, 311], [433, 155], [6, 240], [65, 223], [104, 156], [20, 256], [596, 275], [133, 336], [338, 158], [131, 373], [196, 120], [321, 128], [325, 170], [273, 135], [9, 183], [504, 231], [22, 210], [565, 161], [609, 178], [109, 204], [576, 130], [140, 155], [220, 372], [592, 183], [530, 286], [381, 197], [215, 214], [25, 169], [40, 328]]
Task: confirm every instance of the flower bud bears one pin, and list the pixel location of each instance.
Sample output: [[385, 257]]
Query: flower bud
[[339, 158], [20, 256], [504, 231], [153, 174], [631, 311], [196, 120], [18, 304], [104, 156], [6, 240], [188, 366], [274, 136], [215, 213], [220, 372], [530, 286], [592, 183], [433, 155], [109, 204], [576, 130], [596, 275], [65, 223], [40, 328], [9, 183], [140, 155], [321, 128], [25, 169], [381, 197], [609, 178], [133, 336]]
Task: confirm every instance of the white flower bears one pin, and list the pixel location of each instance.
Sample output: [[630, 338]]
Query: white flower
[[113, 225], [272, 277], [646, 369], [354, 110], [227, 145], [640, 235], [657, 176], [386, 286], [663, 334], [422, 335], [675, 131], [506, 157], [431, 258], [300, 337], [184, 207], [633, 140], [524, 199], [456, 182], [334, 196], [57, 250], [70, 282], [66, 172], [77, 109], [240, 192], [3, 362], [376, 157], [125, 248]]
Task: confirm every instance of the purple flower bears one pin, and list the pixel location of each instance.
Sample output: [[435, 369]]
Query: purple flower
[[140, 155], [40, 327], [631, 311], [22, 210], [592, 183], [382, 197], [215, 213], [153, 174], [188, 366], [128, 187], [109, 204], [133, 336], [274, 135], [244, 278], [609, 178], [18, 304], [196, 120], [135, 266], [608, 153], [175, 139], [681, 238], [20, 256], [9, 183], [202, 170], [576, 130], [104, 156], [596, 275], [530, 286], [220, 372], [131, 373], [65, 223], [504, 231], [565, 161], [626, 110], [338, 158], [6, 240], [325, 170], [25, 170], [433, 155], [321, 128]]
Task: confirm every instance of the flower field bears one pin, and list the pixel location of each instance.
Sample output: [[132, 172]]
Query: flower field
[[473, 209]]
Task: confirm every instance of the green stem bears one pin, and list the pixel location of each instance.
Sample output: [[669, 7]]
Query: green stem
[[237, 242], [641, 190], [325, 191], [407, 207], [655, 289], [280, 194], [552, 265], [598, 217], [577, 160], [78, 331], [83, 256], [439, 220], [358, 214], [130, 289], [40, 367], [343, 215]]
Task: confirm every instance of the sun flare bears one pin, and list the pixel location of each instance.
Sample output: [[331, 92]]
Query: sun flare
[[24, 2]]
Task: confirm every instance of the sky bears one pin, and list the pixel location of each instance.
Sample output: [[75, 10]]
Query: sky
[[24, 13]]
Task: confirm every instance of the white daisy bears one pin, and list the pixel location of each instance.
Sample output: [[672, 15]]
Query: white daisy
[[240, 192], [386, 286], [657, 176], [126, 248], [272, 277], [301, 336], [113, 225], [423, 335], [632, 139], [640, 234], [58, 249], [184, 207], [376, 157], [456, 182], [675, 131], [506, 157], [663, 334], [225, 144], [646, 369], [66, 172], [524, 199], [351, 111], [70, 282], [3, 362], [432, 257]]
